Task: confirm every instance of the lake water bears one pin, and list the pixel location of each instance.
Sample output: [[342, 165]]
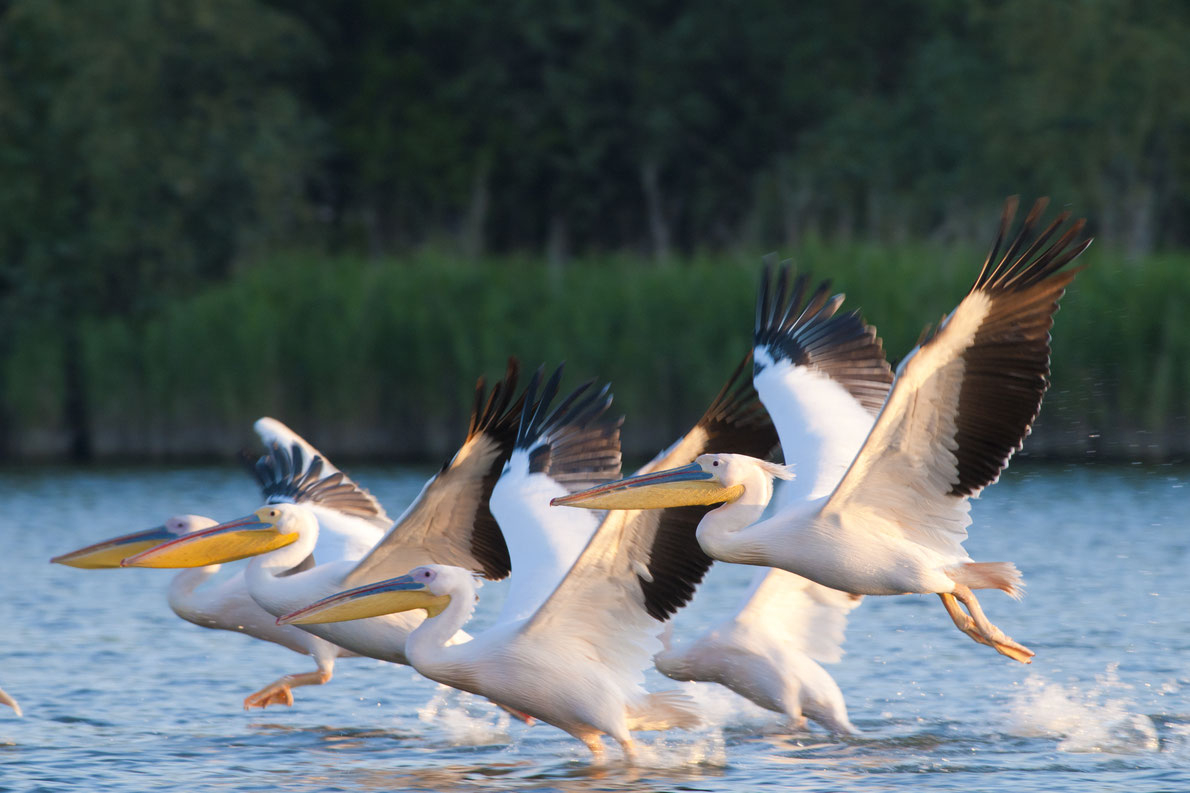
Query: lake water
[[120, 695]]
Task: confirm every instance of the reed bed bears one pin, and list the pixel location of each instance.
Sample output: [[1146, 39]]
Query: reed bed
[[378, 358]]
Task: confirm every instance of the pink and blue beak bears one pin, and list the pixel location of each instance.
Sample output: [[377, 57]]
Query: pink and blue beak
[[675, 487]]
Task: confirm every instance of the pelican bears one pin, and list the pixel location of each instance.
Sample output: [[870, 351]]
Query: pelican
[[449, 522], [822, 377], [6, 699], [961, 404], [577, 660], [226, 604]]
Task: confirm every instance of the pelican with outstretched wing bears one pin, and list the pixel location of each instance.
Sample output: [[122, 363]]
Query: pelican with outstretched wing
[[447, 522], [822, 377], [577, 660], [962, 402]]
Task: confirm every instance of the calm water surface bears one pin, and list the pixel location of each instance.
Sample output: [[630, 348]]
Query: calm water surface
[[120, 695]]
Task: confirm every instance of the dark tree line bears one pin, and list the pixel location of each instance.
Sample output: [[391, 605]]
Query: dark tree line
[[150, 146]]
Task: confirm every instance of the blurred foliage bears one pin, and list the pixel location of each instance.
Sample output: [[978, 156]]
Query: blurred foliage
[[378, 357], [151, 149]]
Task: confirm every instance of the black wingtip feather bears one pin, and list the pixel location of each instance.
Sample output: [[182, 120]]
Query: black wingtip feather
[[570, 442], [286, 474], [1006, 365], [496, 416], [810, 332], [1013, 272]]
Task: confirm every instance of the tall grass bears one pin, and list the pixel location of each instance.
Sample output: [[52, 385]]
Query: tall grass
[[378, 358]]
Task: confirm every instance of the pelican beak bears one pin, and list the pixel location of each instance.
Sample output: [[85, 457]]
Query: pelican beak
[[237, 539], [677, 487], [372, 600], [109, 553]]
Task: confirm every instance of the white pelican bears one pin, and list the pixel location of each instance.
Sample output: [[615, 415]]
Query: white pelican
[[5, 699], [226, 604], [961, 404], [577, 660], [449, 522], [822, 377]]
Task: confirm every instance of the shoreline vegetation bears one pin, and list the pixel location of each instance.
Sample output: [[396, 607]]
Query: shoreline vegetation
[[376, 359]]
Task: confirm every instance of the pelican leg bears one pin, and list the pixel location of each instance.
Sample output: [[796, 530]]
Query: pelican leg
[[629, 747], [991, 635], [594, 743], [961, 620], [278, 692], [5, 699]]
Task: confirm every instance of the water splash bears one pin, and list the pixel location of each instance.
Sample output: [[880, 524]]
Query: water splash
[[722, 707], [465, 719], [1101, 718]]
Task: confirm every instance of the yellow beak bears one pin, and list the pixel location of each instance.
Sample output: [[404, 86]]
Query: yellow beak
[[372, 600], [237, 539], [109, 553], [677, 487]]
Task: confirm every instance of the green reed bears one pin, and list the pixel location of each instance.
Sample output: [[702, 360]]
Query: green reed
[[380, 357]]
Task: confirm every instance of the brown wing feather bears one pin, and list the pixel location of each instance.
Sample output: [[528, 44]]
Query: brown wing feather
[[1007, 365]]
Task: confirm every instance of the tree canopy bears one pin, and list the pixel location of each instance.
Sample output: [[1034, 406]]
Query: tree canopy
[[150, 147]]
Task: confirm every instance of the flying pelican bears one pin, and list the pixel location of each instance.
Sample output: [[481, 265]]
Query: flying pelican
[[961, 404], [822, 377], [577, 660], [5, 699], [226, 604]]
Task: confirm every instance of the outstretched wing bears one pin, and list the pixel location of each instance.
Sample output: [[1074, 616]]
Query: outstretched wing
[[965, 399], [273, 432], [287, 475], [450, 522], [558, 451], [795, 612], [641, 566], [821, 375]]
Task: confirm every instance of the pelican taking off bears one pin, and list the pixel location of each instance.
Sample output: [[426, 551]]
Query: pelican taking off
[[822, 377], [449, 523], [961, 404], [226, 604], [577, 660]]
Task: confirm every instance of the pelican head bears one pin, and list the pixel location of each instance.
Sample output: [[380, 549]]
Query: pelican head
[[428, 587], [710, 479], [109, 553], [267, 529]]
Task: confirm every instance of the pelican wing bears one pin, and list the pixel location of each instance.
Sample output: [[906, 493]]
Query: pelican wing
[[286, 474], [965, 399], [275, 433], [798, 613], [556, 452], [450, 522], [642, 566], [821, 375]]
